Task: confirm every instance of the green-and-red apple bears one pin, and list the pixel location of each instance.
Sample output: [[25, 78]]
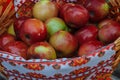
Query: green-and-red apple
[[64, 43], [33, 30], [41, 50]]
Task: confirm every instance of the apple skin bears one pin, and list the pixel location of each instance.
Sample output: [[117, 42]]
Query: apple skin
[[41, 50], [44, 9], [64, 43], [17, 47], [88, 47], [87, 33], [109, 32], [98, 9], [55, 24], [74, 15], [18, 24], [11, 30], [33, 30], [5, 39]]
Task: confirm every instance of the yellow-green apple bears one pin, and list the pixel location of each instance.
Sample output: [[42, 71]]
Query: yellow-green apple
[[109, 31], [18, 24], [75, 15], [10, 30], [41, 50], [87, 33], [17, 47], [55, 24], [45, 9], [64, 43], [89, 47], [6, 38], [98, 9], [33, 30]]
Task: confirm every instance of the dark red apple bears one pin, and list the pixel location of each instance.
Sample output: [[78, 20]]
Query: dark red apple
[[108, 32], [98, 9], [75, 15], [6, 38], [89, 47], [87, 33], [41, 50], [64, 43], [17, 47], [33, 30], [18, 24]]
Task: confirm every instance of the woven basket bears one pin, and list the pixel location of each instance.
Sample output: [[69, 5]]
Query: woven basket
[[98, 66]]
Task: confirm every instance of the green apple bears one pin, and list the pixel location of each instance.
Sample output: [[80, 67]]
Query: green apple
[[54, 25], [11, 30]]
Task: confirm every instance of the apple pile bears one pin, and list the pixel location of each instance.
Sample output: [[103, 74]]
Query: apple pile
[[58, 30]]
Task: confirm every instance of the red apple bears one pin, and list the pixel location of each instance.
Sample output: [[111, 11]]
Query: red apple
[[87, 33], [6, 38], [64, 43], [17, 47], [75, 15], [89, 47], [98, 9], [33, 30], [109, 31], [45, 9], [18, 24], [41, 50]]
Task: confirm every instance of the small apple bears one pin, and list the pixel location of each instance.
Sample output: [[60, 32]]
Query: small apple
[[6, 38], [98, 9], [109, 32], [41, 50], [89, 47], [75, 15], [18, 24], [55, 24], [64, 43], [17, 47], [33, 30], [10, 30], [87, 33], [45, 9]]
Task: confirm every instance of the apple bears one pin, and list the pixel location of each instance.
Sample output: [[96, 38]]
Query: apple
[[17, 47], [33, 30], [55, 24], [10, 30], [74, 15], [64, 43], [109, 31], [5, 39], [89, 47], [44, 9], [98, 9], [18, 22], [87, 33], [41, 50]]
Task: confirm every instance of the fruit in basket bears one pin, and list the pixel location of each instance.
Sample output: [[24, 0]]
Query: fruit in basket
[[5, 39], [45, 9], [11, 30], [98, 9], [41, 50], [18, 24], [89, 47], [33, 30], [64, 43], [87, 33], [55, 24], [108, 32], [75, 15], [17, 47]]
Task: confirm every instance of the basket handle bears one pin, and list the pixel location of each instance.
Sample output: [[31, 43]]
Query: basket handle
[[117, 56]]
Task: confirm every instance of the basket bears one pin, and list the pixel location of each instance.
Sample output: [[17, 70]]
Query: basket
[[98, 66]]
